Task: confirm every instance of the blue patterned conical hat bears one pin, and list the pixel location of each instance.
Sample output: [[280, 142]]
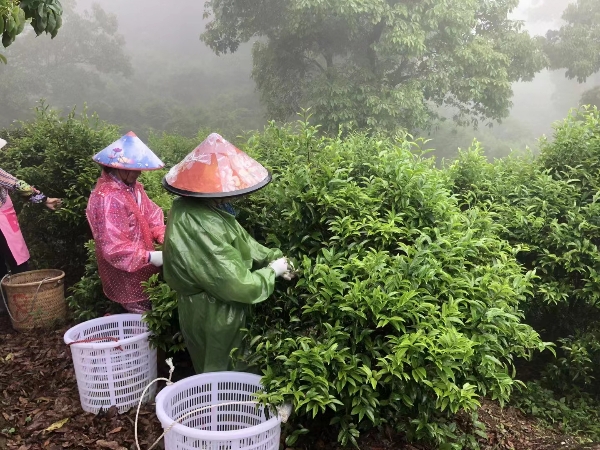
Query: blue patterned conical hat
[[129, 153]]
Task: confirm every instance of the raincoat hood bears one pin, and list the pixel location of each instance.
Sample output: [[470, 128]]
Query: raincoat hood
[[129, 153], [216, 169]]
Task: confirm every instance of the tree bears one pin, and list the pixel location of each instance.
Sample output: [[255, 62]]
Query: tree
[[576, 45], [66, 70], [379, 64], [45, 15], [591, 97]]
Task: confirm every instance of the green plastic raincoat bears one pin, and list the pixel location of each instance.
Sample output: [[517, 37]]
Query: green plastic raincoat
[[209, 260]]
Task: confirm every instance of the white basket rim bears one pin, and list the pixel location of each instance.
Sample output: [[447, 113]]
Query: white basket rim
[[104, 345], [183, 430]]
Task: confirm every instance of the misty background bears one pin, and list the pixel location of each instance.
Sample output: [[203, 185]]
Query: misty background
[[110, 55]]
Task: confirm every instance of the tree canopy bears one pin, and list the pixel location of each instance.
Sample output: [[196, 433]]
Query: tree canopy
[[44, 15], [66, 70], [379, 64], [591, 97], [576, 45]]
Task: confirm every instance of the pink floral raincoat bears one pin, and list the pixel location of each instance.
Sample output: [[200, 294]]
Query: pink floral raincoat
[[125, 224]]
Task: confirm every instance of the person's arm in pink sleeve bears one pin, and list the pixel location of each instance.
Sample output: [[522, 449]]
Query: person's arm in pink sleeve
[[120, 245]]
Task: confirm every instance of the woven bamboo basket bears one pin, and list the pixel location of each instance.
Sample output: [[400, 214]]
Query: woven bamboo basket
[[35, 299]]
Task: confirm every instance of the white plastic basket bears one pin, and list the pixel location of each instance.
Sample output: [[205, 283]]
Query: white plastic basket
[[228, 427], [116, 363]]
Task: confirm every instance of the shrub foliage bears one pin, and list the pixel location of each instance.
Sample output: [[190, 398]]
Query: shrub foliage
[[406, 309], [54, 153], [87, 300], [419, 290], [548, 208]]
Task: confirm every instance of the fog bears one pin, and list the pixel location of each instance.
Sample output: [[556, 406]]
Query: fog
[[536, 104], [161, 77], [157, 75]]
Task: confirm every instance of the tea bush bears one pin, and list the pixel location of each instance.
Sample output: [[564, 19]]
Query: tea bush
[[574, 152], [407, 305], [172, 148], [546, 219], [87, 300], [406, 310], [576, 413], [547, 207], [54, 153], [163, 319]]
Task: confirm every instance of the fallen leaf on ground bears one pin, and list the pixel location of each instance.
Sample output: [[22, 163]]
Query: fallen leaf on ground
[[50, 387], [113, 445], [57, 425]]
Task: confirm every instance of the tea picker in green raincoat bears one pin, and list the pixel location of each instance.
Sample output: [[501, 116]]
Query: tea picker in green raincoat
[[217, 269]]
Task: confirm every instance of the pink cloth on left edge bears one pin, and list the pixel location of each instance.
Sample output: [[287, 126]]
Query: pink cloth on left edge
[[9, 225], [124, 233]]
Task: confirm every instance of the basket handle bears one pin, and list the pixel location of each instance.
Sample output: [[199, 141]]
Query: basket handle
[[90, 340]]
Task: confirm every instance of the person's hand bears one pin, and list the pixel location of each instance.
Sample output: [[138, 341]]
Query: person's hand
[[53, 203], [279, 266], [156, 259], [288, 275], [291, 272]]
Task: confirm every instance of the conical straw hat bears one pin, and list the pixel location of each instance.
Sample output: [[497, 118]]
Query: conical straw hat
[[129, 153], [216, 168]]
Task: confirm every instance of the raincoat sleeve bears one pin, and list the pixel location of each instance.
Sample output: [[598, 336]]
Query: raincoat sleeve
[[118, 242], [261, 255], [216, 267], [155, 217]]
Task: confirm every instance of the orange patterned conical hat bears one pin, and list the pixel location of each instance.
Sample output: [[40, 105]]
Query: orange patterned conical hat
[[216, 168]]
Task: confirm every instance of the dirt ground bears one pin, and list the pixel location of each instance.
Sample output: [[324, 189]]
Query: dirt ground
[[40, 409]]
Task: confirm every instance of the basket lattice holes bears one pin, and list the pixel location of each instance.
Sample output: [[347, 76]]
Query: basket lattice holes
[[238, 424], [113, 362]]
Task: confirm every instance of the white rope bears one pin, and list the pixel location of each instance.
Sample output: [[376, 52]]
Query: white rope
[[283, 411], [137, 413]]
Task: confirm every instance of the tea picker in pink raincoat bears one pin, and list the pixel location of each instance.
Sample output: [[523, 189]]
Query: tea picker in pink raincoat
[[13, 249], [125, 223]]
